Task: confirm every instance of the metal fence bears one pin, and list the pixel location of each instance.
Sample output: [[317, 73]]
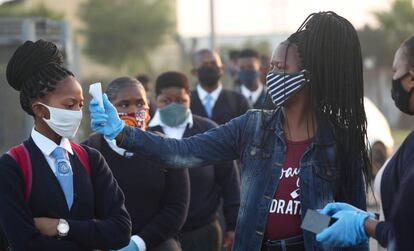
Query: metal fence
[[15, 125]]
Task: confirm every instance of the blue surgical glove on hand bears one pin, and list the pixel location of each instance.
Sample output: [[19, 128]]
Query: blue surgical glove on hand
[[131, 247], [332, 208], [349, 228], [105, 121]]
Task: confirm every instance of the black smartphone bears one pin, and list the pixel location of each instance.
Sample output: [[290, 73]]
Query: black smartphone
[[316, 222]]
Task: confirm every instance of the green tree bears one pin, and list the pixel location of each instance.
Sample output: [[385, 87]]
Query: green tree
[[121, 33], [395, 25], [398, 23], [375, 47], [40, 10]]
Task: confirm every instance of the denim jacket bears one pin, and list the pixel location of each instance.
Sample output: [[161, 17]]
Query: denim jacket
[[258, 140]]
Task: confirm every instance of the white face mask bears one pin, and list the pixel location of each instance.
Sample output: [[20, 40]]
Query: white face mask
[[64, 122]]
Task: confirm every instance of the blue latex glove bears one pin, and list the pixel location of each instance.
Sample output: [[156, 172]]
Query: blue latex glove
[[106, 122], [332, 208], [347, 231], [131, 247]]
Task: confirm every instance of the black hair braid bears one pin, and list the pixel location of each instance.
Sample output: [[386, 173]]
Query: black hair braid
[[35, 69], [172, 79], [329, 49]]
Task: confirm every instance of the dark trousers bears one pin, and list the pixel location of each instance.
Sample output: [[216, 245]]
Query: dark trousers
[[205, 238], [168, 245]]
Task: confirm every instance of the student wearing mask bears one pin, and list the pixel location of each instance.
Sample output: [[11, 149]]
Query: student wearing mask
[[249, 77], [61, 202], [156, 197], [307, 152], [210, 99], [209, 184], [395, 180]]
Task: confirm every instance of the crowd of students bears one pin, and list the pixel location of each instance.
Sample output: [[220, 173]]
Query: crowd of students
[[200, 170]]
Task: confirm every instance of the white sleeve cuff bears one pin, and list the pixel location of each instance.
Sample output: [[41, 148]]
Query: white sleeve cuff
[[139, 242]]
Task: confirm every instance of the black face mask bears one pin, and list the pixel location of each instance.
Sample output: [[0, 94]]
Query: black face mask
[[208, 75], [400, 96]]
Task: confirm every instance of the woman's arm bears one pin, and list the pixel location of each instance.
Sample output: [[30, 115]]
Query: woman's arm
[[219, 144], [169, 220], [16, 219], [111, 227]]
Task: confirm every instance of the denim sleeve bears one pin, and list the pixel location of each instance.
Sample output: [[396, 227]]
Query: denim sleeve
[[216, 145]]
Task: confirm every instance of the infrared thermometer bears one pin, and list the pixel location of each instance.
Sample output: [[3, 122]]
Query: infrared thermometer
[[95, 90]]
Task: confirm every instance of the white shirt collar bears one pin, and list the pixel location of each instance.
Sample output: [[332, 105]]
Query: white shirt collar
[[156, 121], [47, 146], [253, 94], [121, 151], [214, 94], [172, 132]]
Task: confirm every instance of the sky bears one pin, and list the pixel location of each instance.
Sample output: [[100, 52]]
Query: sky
[[250, 17]]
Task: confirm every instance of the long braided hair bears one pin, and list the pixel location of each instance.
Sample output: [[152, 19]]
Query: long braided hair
[[330, 50], [34, 70]]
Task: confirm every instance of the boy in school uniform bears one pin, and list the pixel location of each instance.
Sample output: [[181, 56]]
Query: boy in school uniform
[[209, 184]]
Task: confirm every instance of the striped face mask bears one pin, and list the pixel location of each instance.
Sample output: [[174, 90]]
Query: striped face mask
[[281, 86]]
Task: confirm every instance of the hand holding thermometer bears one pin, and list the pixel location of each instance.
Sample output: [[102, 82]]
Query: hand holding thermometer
[[95, 90]]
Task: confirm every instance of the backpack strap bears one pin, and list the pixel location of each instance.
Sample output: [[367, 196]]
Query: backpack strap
[[20, 154], [83, 156]]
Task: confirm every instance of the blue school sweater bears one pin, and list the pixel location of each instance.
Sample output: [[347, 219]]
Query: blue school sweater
[[98, 218]]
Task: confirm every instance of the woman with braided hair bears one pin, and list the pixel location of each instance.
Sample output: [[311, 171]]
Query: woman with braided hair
[[55, 194], [394, 182], [307, 152]]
